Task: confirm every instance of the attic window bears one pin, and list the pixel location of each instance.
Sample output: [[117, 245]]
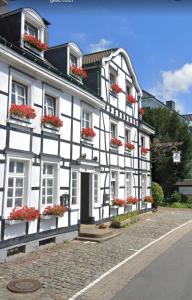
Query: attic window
[[31, 30], [73, 60]]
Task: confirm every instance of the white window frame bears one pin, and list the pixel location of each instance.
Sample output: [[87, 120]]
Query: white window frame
[[56, 179], [27, 182], [46, 107], [144, 141], [129, 135], [98, 202], [83, 120], [116, 180], [28, 27], [24, 87], [128, 184], [77, 204], [115, 74], [51, 92], [72, 49], [143, 185]]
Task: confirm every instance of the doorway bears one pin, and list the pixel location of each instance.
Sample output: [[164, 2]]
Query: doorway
[[85, 183]]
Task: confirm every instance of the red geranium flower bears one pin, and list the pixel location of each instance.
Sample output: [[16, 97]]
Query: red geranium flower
[[131, 99], [141, 111], [89, 132], [148, 199], [34, 42], [23, 111], [78, 71], [115, 88], [144, 150], [56, 210], [118, 202], [129, 146], [55, 121], [24, 214], [132, 200], [116, 142]]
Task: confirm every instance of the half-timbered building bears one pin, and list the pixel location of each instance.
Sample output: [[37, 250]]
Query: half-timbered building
[[67, 121]]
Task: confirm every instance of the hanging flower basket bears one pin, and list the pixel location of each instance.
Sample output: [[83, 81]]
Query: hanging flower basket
[[88, 132], [35, 43], [132, 200], [78, 71], [116, 142], [148, 199], [55, 210], [144, 150], [131, 99], [22, 111], [118, 202], [116, 88], [141, 111], [129, 146], [24, 214], [52, 120]]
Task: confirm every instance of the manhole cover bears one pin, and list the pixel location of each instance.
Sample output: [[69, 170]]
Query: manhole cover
[[23, 285]]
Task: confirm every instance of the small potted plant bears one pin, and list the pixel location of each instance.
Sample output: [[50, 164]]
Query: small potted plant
[[22, 112], [116, 88], [148, 199], [88, 133], [116, 142], [132, 200], [131, 99], [141, 111], [144, 150], [23, 214], [118, 202], [78, 71], [51, 121], [129, 146]]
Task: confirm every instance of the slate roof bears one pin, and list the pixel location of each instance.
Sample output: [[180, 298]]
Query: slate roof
[[188, 117], [96, 57]]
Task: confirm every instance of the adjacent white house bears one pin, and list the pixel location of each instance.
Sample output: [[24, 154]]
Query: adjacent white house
[[83, 159]]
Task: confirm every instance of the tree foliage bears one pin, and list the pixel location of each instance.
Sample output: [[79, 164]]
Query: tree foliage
[[170, 129]]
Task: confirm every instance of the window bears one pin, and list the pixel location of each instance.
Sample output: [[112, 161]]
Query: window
[[18, 94], [128, 90], [142, 141], [49, 105], [74, 193], [48, 184], [127, 136], [113, 130], [96, 188], [86, 119], [112, 78], [16, 178], [127, 184], [73, 60], [114, 184], [143, 185], [31, 30]]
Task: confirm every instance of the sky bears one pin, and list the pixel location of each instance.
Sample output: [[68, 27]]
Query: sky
[[156, 34]]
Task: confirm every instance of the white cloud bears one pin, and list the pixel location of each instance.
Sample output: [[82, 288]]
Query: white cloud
[[174, 84], [101, 45]]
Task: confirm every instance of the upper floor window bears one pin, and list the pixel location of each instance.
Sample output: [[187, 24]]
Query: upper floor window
[[48, 184], [112, 78], [113, 130], [31, 30], [127, 135], [86, 119], [16, 183], [142, 141], [18, 94], [49, 105]]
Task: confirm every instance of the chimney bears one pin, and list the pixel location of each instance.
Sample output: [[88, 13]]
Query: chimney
[[170, 104], [3, 6]]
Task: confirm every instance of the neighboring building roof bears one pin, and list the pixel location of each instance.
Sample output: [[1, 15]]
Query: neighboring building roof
[[184, 182], [188, 117], [96, 57]]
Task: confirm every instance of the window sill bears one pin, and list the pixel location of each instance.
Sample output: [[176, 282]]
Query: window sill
[[47, 217], [76, 77], [51, 129], [114, 148], [14, 222], [86, 140], [113, 94], [97, 205], [19, 121], [33, 50]]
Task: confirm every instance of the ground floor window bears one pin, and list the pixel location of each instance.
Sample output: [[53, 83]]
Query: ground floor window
[[17, 185], [143, 185], [114, 184], [49, 183], [128, 185], [75, 188], [96, 188]]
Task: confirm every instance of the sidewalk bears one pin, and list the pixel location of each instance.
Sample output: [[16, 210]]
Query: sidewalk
[[67, 268]]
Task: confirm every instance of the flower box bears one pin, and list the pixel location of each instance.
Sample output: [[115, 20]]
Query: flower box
[[78, 71], [132, 200], [52, 121], [55, 210], [22, 112], [88, 133], [115, 88], [131, 99], [14, 222], [144, 150], [141, 111], [118, 202], [116, 142], [24, 214], [129, 146], [148, 199], [47, 217], [35, 43]]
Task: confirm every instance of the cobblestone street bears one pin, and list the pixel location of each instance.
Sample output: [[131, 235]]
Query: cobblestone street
[[64, 269]]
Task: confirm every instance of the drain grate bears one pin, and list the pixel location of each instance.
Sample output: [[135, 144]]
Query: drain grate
[[23, 286]]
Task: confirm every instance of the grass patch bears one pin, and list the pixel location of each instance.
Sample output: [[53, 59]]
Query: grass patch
[[180, 205]]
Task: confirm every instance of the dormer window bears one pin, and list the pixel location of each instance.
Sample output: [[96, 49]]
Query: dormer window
[[73, 60], [31, 30]]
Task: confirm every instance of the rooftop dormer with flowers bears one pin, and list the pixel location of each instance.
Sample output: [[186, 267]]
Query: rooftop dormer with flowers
[[26, 29]]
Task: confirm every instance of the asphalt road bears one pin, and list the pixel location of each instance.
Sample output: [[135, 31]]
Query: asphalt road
[[169, 277]]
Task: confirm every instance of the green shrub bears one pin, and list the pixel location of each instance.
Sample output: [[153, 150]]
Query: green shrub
[[176, 197], [180, 205], [188, 198], [157, 194], [116, 220]]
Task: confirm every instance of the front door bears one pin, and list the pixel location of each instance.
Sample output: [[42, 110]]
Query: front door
[[85, 198]]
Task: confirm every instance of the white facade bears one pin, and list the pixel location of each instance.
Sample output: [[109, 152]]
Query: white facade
[[39, 164]]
